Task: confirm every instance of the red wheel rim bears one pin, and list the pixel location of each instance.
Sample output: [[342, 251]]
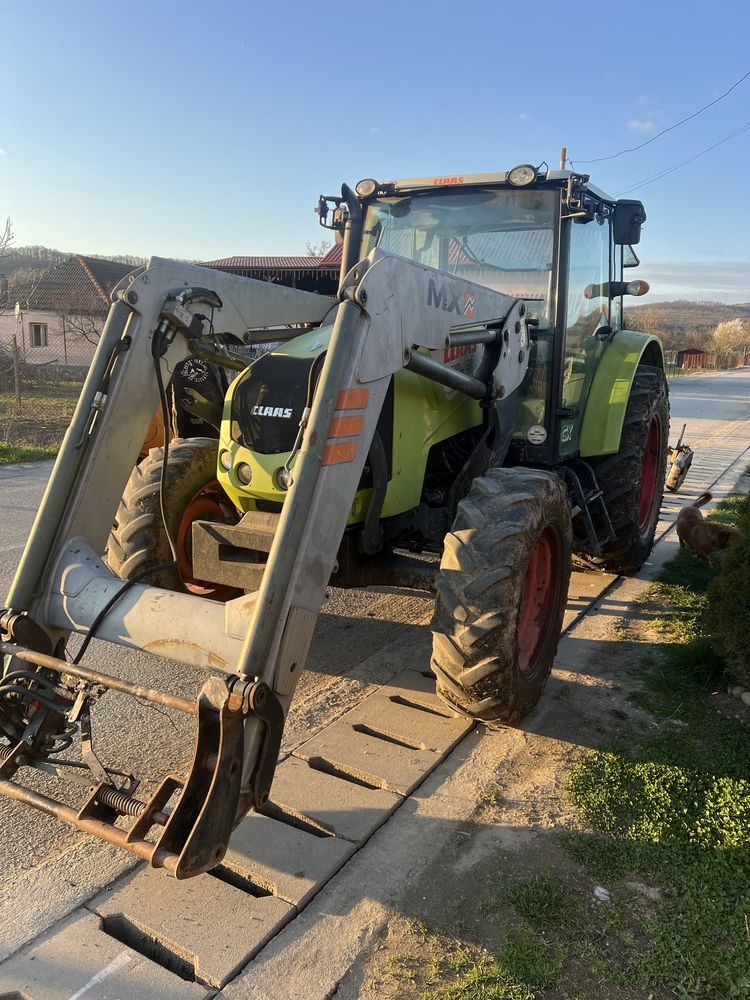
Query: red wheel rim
[[537, 601], [210, 503], [649, 475]]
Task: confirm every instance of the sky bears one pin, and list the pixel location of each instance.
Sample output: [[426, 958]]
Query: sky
[[205, 130]]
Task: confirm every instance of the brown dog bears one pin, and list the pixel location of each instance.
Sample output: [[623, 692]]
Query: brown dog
[[701, 536]]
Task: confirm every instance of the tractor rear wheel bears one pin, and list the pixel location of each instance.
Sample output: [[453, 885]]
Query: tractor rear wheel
[[138, 539], [632, 481], [501, 594]]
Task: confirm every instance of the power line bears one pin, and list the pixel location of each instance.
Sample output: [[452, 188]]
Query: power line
[[658, 135], [683, 163]]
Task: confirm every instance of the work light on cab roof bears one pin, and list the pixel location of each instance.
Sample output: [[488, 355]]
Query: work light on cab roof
[[522, 175]]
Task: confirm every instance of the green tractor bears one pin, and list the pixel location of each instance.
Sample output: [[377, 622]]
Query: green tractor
[[505, 477], [465, 416]]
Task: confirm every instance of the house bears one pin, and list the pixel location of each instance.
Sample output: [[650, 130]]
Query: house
[[58, 318]]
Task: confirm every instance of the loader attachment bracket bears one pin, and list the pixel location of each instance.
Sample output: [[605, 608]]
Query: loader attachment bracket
[[198, 830], [21, 629], [191, 837], [260, 700]]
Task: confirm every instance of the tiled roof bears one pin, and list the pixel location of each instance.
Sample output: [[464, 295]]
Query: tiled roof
[[275, 263], [333, 257], [79, 284], [266, 263]]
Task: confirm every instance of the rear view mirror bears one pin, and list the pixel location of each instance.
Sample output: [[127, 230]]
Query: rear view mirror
[[629, 216]]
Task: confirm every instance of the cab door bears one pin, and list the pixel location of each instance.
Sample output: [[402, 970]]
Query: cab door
[[586, 321]]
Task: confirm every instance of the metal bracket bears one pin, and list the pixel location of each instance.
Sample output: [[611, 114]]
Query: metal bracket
[[261, 700], [22, 630], [198, 406], [197, 831]]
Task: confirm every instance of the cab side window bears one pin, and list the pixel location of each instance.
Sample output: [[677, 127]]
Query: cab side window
[[587, 311]]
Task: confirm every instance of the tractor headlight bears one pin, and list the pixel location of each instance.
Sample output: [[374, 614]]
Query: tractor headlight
[[283, 478], [225, 460], [522, 175], [244, 473], [366, 188]]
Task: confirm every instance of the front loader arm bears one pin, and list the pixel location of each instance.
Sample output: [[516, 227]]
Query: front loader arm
[[389, 307]]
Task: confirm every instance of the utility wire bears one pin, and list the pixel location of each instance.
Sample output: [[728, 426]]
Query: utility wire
[[664, 131], [683, 163]]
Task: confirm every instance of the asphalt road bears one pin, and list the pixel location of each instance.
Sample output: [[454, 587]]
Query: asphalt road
[[47, 869]]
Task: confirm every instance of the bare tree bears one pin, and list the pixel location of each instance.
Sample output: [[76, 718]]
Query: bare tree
[[78, 321], [650, 320], [6, 241], [317, 249]]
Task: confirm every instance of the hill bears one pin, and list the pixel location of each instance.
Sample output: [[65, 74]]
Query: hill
[[39, 258], [683, 323]]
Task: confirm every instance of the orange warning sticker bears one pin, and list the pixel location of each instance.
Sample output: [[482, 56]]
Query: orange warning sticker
[[352, 399], [342, 427], [336, 454]]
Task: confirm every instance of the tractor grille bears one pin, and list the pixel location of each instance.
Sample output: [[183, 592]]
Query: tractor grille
[[268, 402]]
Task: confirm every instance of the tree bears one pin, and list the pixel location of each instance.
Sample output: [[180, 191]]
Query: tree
[[647, 319], [6, 241], [317, 249], [77, 321], [730, 335]]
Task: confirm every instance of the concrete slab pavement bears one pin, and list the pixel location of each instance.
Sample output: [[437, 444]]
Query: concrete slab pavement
[[200, 928], [345, 808], [78, 960]]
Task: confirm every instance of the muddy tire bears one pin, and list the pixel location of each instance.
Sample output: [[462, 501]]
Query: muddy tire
[[632, 481], [501, 594], [138, 539]]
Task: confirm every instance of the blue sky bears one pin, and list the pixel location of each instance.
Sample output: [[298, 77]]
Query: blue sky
[[205, 130]]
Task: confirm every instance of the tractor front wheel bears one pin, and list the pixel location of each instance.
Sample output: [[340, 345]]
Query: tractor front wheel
[[138, 539], [501, 594]]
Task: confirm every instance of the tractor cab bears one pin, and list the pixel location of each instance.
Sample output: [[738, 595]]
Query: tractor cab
[[548, 238]]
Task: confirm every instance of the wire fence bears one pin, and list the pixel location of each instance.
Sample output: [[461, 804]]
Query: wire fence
[[37, 398]]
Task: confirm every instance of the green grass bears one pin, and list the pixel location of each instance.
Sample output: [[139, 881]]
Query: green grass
[[539, 901], [53, 396], [673, 811], [43, 417], [523, 966], [21, 453], [728, 611]]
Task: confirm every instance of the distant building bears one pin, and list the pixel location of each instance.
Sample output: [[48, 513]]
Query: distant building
[[310, 274], [692, 357], [57, 319]]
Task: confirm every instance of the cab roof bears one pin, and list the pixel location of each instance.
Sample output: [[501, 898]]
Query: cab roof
[[468, 180]]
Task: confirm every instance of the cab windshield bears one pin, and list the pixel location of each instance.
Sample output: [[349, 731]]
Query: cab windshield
[[502, 238]]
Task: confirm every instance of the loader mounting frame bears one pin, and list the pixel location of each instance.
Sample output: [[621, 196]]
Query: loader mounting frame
[[259, 642]]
